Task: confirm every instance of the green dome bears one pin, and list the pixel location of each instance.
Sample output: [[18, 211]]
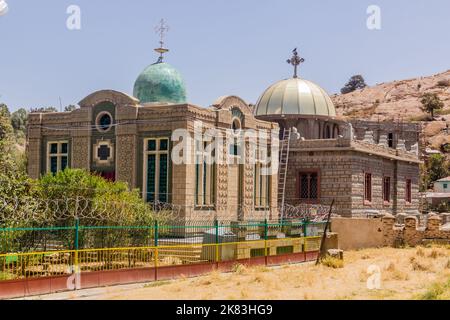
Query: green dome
[[160, 82]]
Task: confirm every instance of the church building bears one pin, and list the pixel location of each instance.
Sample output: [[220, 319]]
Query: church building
[[128, 138]]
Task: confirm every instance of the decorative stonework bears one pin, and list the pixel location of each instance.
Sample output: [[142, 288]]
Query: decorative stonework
[[103, 153], [126, 159], [80, 152]]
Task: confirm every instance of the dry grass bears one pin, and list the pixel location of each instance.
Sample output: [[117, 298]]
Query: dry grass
[[332, 262], [405, 274]]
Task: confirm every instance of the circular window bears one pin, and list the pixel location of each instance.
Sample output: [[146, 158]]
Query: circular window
[[104, 121]]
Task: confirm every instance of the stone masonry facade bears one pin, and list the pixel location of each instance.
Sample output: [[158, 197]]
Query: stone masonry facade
[[341, 165], [233, 185]]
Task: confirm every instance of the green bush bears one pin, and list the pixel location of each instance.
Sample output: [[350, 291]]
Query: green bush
[[87, 195]]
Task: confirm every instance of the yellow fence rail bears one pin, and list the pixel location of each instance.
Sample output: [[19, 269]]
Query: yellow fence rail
[[15, 266]]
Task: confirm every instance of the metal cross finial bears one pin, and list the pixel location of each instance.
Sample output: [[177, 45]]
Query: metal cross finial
[[161, 30], [296, 60]]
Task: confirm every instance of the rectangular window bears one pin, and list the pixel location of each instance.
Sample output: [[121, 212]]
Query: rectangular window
[[309, 185], [57, 156], [445, 185], [391, 140], [368, 187], [156, 161], [408, 190], [386, 189], [204, 174]]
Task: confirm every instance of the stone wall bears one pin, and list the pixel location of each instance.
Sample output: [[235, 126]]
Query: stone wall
[[335, 177], [358, 233], [411, 234], [341, 173], [405, 131]]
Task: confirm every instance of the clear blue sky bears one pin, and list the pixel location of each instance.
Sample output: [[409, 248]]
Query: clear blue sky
[[220, 47]]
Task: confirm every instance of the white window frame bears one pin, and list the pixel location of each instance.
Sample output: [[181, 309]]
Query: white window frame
[[157, 152], [204, 197], [58, 155], [262, 182]]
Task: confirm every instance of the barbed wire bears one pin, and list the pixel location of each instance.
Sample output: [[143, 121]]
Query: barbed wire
[[17, 210]]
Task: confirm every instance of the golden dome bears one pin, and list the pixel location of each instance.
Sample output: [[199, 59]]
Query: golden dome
[[295, 96]]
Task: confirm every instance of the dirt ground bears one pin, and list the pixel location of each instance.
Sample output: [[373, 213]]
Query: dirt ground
[[410, 273]]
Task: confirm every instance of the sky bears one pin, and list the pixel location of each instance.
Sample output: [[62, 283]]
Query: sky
[[233, 47]]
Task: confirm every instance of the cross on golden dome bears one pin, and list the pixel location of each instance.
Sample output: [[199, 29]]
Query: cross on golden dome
[[295, 60]]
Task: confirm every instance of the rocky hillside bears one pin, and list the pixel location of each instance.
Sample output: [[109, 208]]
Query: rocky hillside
[[400, 100]]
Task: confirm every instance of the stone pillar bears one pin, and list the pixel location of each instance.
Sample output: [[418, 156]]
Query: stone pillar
[[368, 137], [433, 227], [388, 230], [401, 145], [81, 151], [411, 234], [34, 158], [126, 145], [34, 145], [383, 141]]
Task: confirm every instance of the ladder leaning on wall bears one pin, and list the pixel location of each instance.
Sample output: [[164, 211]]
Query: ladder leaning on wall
[[282, 168]]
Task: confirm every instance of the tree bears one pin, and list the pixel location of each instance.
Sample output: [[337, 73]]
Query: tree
[[436, 168], [70, 108], [6, 134], [4, 111], [14, 186], [431, 103], [355, 82], [19, 120]]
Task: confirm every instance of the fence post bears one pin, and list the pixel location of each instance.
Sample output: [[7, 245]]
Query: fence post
[[305, 234], [305, 228], [77, 245], [156, 249], [216, 226], [266, 233]]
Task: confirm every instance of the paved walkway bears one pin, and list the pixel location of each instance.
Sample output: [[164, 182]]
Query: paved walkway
[[90, 294]]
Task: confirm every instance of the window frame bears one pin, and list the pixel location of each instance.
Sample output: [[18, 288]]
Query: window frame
[[408, 191], [98, 126], [157, 154], [260, 201], [59, 154], [299, 187], [386, 191], [205, 178], [368, 200], [390, 139]]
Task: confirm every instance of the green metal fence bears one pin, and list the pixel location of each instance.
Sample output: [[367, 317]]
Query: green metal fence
[[77, 236]]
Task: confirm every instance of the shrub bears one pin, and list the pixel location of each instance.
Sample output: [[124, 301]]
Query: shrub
[[332, 262], [443, 83]]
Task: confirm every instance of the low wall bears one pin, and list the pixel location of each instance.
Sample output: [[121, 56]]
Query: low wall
[[46, 285], [358, 233], [410, 233]]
